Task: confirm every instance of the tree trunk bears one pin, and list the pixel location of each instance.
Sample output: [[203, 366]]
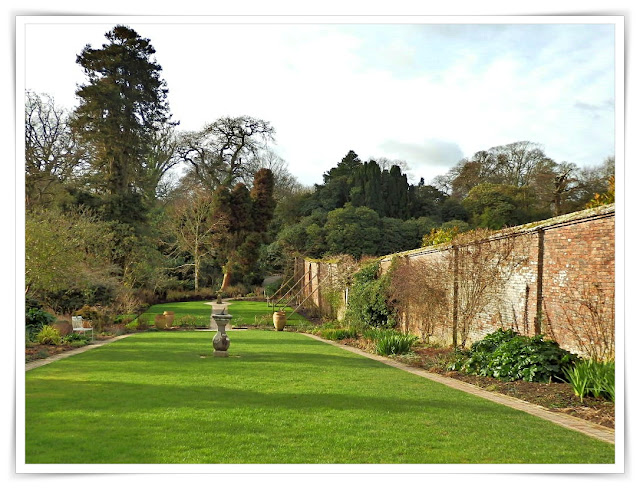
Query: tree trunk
[[196, 274], [226, 280]]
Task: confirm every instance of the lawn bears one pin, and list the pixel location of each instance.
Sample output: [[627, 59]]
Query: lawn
[[243, 312], [280, 397], [253, 312]]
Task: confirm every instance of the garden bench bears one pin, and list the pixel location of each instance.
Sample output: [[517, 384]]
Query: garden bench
[[77, 324]]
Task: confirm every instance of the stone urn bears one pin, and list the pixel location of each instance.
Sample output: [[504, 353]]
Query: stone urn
[[169, 317], [221, 340], [279, 320]]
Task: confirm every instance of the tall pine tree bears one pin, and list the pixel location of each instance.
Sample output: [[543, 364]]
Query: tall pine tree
[[121, 106]]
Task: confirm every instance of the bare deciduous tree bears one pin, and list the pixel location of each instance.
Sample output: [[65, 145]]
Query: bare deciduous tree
[[218, 153], [196, 227], [51, 152]]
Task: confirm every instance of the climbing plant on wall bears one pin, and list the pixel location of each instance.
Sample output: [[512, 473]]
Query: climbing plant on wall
[[369, 302]]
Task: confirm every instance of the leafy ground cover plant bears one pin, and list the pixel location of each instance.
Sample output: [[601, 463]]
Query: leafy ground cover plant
[[75, 339], [507, 355], [592, 378]]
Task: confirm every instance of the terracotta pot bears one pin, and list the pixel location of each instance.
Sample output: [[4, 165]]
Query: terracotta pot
[[279, 320], [169, 317], [160, 321]]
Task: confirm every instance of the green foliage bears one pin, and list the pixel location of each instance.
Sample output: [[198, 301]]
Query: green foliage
[[190, 321], [48, 335], [75, 339], [354, 231], [494, 206], [508, 355], [368, 300], [202, 294], [440, 236], [66, 253], [120, 106], [337, 334], [592, 378], [390, 342], [35, 319], [608, 197], [98, 316], [273, 287]]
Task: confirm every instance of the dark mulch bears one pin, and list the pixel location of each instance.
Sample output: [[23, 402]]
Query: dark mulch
[[38, 352], [34, 351], [556, 396]]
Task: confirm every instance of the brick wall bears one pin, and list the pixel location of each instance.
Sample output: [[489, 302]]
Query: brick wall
[[563, 285]]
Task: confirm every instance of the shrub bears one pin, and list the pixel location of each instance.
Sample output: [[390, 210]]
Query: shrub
[[189, 321], [368, 299], [202, 294], [98, 316], [48, 336], [75, 339], [141, 324], [592, 378], [508, 355], [132, 327], [235, 291], [35, 319]]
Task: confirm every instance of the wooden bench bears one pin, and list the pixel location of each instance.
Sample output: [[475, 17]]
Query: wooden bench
[[77, 323]]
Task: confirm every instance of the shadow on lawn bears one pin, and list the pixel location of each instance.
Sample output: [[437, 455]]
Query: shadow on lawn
[[162, 359], [106, 396]]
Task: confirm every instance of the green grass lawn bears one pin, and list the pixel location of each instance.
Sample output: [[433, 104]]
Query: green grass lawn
[[244, 313], [200, 310], [253, 312], [280, 397]]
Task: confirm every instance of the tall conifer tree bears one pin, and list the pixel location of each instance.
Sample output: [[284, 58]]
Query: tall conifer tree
[[121, 106]]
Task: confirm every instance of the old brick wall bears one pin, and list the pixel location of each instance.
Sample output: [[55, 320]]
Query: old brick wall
[[565, 271], [578, 281]]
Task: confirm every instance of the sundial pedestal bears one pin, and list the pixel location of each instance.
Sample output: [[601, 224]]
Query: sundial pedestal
[[221, 341]]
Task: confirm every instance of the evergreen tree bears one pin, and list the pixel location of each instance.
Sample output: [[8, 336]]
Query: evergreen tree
[[396, 193], [120, 108], [263, 200], [367, 187]]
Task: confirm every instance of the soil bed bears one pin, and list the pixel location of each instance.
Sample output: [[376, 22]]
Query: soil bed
[[555, 396], [35, 351]]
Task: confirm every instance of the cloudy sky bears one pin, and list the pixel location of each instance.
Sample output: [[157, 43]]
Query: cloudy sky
[[426, 92]]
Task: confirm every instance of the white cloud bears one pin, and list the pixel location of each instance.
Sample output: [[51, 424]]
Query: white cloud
[[328, 89]]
